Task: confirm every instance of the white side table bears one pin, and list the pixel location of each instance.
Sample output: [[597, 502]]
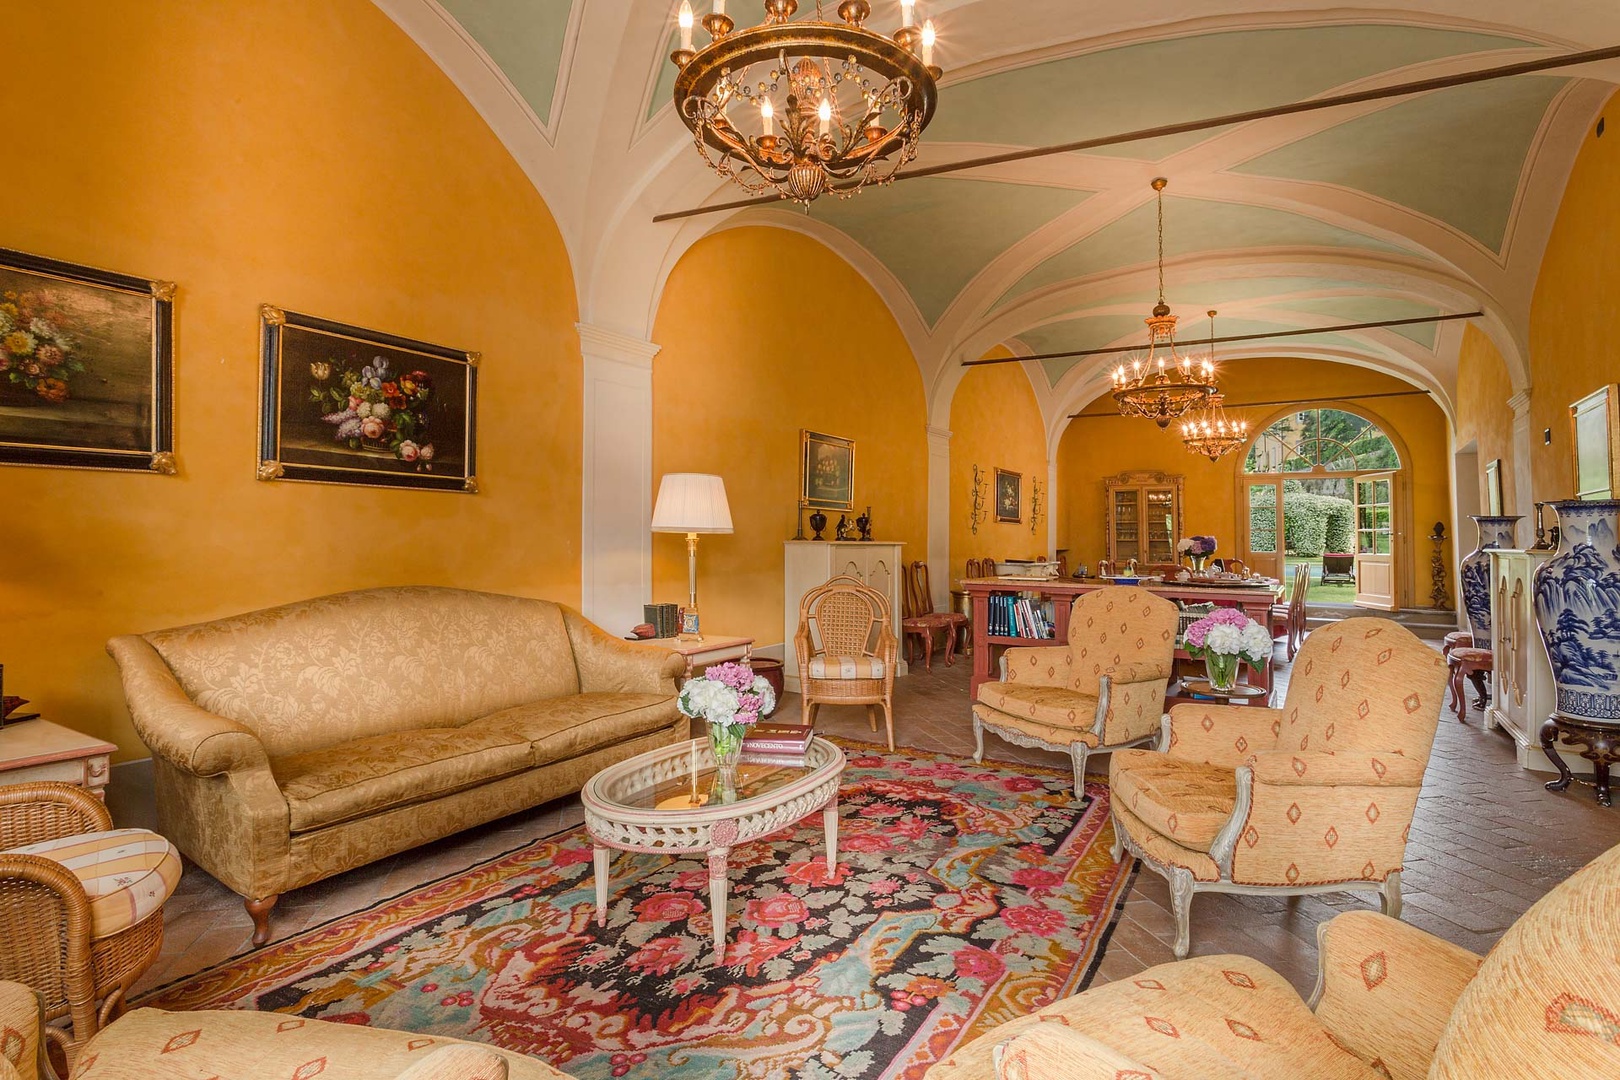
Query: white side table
[[35, 750], [711, 650]]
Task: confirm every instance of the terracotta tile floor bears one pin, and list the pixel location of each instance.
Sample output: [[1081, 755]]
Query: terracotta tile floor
[[1486, 843]]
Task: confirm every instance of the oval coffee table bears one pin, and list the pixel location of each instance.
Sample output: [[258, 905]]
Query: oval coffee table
[[644, 804]]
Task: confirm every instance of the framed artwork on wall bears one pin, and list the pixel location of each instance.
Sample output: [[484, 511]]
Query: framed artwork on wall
[[339, 404], [1594, 423], [1493, 487], [1009, 497], [86, 366], [826, 471]]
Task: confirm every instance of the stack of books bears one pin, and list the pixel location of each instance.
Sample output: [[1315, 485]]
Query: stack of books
[[777, 744], [1018, 616]]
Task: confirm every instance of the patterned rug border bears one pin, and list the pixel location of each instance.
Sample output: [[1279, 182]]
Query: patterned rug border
[[431, 892]]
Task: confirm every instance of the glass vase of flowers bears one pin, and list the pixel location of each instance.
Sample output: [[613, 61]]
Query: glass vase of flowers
[[1196, 548], [1221, 639], [729, 698]]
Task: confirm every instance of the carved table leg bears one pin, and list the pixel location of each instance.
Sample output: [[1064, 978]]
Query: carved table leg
[[719, 884], [602, 858], [1482, 696], [829, 824], [1602, 752], [1549, 746]]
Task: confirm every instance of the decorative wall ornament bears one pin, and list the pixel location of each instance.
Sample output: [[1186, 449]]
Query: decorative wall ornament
[[1494, 532], [1009, 497], [1037, 509], [340, 404], [86, 367], [826, 471], [978, 512], [1439, 588]]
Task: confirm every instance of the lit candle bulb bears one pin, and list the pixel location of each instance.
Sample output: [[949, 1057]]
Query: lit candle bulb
[[768, 116], [686, 25], [824, 113], [928, 43], [907, 16]]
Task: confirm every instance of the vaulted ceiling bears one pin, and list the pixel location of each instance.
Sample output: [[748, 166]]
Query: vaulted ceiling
[[1394, 209]]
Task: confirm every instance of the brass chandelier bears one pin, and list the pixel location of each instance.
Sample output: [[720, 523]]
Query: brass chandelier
[[1163, 385], [807, 107], [1208, 431]]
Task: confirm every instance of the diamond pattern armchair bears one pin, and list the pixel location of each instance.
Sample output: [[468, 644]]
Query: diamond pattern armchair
[[1102, 691], [1313, 797], [1391, 1002]]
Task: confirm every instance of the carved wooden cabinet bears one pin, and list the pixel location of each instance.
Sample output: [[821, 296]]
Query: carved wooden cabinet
[[1522, 692], [1142, 512], [808, 563]]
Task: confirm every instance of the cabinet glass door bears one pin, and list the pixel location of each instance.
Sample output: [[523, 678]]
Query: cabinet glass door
[[1127, 524], [1160, 525]]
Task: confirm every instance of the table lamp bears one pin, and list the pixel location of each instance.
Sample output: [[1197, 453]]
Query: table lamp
[[691, 503]]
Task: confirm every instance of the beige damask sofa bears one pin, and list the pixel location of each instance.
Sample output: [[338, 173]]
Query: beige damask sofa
[[301, 741]]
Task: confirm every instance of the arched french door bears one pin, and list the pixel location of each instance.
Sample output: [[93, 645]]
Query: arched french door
[[1325, 487]]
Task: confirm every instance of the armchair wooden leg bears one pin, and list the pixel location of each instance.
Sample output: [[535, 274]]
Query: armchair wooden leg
[[1117, 848], [1181, 894], [1078, 751], [1389, 894], [260, 912], [978, 739]]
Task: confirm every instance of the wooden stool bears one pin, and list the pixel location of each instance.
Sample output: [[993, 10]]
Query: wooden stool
[[1456, 639], [1468, 662]]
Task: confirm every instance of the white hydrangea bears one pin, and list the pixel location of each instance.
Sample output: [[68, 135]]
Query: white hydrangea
[[711, 701], [363, 409], [767, 696], [1250, 642]]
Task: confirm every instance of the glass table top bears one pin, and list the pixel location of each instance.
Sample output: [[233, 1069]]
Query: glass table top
[[682, 777]]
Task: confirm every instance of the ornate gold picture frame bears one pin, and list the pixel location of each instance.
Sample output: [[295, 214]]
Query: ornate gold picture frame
[[1594, 424], [1009, 492], [826, 471]]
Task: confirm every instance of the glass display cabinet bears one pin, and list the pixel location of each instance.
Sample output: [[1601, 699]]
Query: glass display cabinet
[[1143, 511]]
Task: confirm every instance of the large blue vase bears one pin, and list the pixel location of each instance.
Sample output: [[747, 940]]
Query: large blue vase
[[1494, 532], [1577, 595]]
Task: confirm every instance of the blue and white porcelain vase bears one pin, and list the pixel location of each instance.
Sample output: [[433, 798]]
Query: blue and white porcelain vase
[[1494, 532], [1577, 597]]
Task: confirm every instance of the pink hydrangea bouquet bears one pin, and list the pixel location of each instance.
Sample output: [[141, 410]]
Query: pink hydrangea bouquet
[[729, 697], [1221, 639]]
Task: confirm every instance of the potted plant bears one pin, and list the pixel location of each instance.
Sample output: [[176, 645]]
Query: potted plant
[[729, 698], [1221, 639]]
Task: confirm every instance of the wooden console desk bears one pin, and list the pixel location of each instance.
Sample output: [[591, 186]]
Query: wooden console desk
[[1254, 600]]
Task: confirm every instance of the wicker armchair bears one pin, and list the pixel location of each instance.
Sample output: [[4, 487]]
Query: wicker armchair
[[67, 928], [847, 650]]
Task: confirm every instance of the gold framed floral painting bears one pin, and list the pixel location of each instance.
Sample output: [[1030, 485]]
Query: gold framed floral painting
[[340, 404], [86, 366], [1009, 497], [826, 471]]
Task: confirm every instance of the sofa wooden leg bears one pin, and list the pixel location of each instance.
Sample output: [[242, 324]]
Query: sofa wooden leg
[[259, 910], [1181, 894], [1078, 752]]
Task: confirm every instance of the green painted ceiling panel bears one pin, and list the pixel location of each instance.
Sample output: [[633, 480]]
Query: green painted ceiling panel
[[1090, 332], [1356, 309], [664, 88], [1454, 155], [944, 231], [1190, 225], [524, 38], [1163, 82]]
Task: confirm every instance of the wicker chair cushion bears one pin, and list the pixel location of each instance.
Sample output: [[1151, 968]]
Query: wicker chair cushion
[[1054, 705], [127, 873], [1471, 655], [1187, 801], [846, 667]]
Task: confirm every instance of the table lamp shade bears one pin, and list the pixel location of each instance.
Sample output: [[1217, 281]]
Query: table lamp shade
[[691, 503]]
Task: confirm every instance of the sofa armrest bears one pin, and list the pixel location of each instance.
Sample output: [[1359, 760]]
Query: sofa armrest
[[609, 664], [1131, 709], [1224, 735], [1055, 1051], [173, 726], [1386, 990], [21, 1015], [1037, 665], [1319, 768]]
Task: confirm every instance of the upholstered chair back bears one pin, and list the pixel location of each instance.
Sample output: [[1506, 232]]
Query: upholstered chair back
[[1364, 684], [320, 672], [846, 617], [1119, 628], [1546, 1001]]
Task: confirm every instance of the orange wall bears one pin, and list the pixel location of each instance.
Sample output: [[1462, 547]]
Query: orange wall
[[308, 154], [736, 380], [1483, 415], [996, 423], [1095, 448], [1573, 350]]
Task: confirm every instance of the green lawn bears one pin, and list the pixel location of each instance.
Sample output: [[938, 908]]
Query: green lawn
[[1320, 594]]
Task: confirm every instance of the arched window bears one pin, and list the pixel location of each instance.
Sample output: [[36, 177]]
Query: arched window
[[1321, 440]]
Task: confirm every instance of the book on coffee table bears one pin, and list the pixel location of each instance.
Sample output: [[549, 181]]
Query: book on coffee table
[[778, 739]]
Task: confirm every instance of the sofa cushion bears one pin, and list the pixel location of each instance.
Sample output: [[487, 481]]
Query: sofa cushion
[[126, 873], [364, 776], [1046, 733], [1187, 801], [1056, 706], [573, 726]]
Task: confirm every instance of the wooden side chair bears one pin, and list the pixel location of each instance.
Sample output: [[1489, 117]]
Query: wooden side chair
[[1290, 618], [847, 652], [921, 622], [81, 904]]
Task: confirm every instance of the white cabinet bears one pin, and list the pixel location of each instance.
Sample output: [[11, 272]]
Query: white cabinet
[[808, 563], [1522, 693]]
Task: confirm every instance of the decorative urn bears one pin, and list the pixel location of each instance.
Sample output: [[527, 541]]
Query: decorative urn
[[1494, 532], [1577, 601]]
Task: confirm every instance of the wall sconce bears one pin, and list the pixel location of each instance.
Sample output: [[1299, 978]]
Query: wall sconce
[[981, 490], [1036, 509]]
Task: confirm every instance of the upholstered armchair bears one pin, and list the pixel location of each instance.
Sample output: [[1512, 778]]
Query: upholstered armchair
[[1101, 692], [847, 650], [1391, 1003], [1313, 797]]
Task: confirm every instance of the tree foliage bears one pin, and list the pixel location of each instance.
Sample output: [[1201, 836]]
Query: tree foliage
[[1312, 524]]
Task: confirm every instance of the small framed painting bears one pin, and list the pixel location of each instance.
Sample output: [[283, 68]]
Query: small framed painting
[[1493, 487], [86, 366], [339, 404], [826, 471], [1009, 497], [1594, 424]]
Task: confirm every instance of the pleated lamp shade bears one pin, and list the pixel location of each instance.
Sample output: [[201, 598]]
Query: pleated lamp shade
[[691, 503]]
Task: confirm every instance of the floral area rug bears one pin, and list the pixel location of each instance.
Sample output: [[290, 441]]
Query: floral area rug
[[965, 895]]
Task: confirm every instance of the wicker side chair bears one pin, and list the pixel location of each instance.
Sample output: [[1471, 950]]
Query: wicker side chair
[[847, 650], [76, 946]]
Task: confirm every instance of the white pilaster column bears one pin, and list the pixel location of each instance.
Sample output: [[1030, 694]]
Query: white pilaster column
[[616, 539], [1524, 443], [1051, 508], [939, 516]]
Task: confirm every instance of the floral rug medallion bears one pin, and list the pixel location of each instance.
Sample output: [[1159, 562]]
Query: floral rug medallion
[[965, 895]]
